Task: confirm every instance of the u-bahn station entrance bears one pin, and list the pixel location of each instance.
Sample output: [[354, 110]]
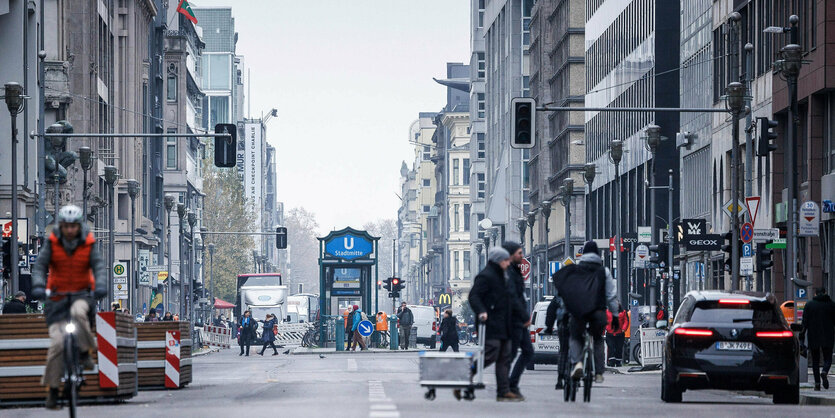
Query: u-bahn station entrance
[[347, 271]]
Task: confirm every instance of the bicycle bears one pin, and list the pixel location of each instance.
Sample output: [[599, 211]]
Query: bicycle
[[571, 384], [312, 336], [73, 369]]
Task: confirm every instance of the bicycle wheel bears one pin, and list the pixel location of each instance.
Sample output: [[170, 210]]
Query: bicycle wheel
[[588, 374], [72, 373]]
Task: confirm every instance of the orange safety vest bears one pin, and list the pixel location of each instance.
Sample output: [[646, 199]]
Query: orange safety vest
[[70, 273], [382, 322]]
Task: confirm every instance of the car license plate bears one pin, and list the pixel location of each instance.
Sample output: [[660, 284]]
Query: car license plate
[[547, 337], [733, 345]]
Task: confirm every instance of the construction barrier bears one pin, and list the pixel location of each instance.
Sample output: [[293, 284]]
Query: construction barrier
[[155, 346], [24, 341], [652, 346], [291, 333], [218, 337]]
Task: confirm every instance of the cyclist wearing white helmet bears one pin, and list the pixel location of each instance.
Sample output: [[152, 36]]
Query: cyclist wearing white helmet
[[72, 258]]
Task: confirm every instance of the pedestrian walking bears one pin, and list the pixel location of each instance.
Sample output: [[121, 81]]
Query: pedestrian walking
[[491, 302], [349, 326], [819, 328], [268, 335], [558, 314], [449, 331], [616, 336], [357, 337], [247, 327], [16, 305], [405, 320], [520, 338]]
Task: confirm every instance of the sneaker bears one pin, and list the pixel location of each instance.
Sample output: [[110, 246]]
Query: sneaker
[[457, 394], [577, 372], [517, 393], [598, 378], [825, 381], [52, 399], [509, 397]]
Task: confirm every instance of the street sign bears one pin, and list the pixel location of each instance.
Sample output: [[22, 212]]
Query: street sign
[[142, 262], [525, 266], [120, 280], [567, 262], [777, 244], [747, 251], [809, 220], [800, 293], [708, 242], [644, 234], [33, 258], [161, 277], [746, 233], [752, 203], [728, 208], [553, 267], [766, 234], [365, 328], [746, 266], [641, 256], [119, 269]]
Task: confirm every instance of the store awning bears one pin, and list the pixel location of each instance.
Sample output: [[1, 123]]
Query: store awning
[[222, 304]]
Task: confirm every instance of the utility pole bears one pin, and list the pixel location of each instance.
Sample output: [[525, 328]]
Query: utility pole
[[169, 204], [133, 190], [615, 156], [212, 280], [14, 101], [111, 175], [670, 241], [736, 102]]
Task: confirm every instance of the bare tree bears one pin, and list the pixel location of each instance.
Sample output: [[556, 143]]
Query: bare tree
[[302, 231]]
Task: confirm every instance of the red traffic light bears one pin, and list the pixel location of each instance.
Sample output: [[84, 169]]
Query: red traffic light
[[395, 281], [379, 282]]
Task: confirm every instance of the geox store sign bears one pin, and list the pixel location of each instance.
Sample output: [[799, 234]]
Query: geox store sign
[[707, 242]]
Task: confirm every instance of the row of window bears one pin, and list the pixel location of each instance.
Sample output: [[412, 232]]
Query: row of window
[[457, 177], [457, 218], [620, 39]]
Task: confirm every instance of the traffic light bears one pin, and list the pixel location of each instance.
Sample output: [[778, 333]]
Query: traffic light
[[379, 284], [57, 159], [281, 237], [657, 253], [764, 144], [387, 284], [764, 261], [523, 122], [226, 147], [396, 286]]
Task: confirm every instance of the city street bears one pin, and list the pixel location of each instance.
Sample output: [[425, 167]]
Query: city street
[[386, 385]]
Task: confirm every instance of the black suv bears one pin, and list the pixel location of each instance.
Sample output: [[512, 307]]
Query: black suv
[[735, 341]]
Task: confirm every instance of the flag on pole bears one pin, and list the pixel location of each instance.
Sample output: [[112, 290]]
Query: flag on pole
[[185, 9]]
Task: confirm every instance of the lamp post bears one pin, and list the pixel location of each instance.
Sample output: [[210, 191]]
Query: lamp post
[[211, 247], [133, 190], [568, 189], [531, 218], [169, 204], [736, 103], [522, 224], [615, 156], [111, 175], [181, 214], [14, 101], [192, 220], [589, 173], [545, 209], [653, 140], [478, 247], [85, 158], [198, 248]]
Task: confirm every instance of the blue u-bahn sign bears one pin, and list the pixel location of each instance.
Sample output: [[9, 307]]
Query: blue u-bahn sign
[[349, 246]]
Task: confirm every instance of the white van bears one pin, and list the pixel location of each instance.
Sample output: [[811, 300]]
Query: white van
[[426, 325], [546, 347]]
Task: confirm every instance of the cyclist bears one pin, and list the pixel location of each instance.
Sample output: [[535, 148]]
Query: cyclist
[[587, 289], [73, 260]]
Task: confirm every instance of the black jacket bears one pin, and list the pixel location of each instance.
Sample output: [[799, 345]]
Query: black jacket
[[449, 330], [248, 331], [406, 317], [14, 306], [819, 320], [516, 288], [489, 294], [556, 312]]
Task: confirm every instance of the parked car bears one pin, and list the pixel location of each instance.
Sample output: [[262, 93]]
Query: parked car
[[734, 341], [427, 326], [546, 347]]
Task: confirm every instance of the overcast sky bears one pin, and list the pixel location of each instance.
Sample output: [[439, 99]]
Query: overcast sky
[[348, 78]]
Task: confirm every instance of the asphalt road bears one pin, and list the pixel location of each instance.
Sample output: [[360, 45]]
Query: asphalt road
[[386, 385]]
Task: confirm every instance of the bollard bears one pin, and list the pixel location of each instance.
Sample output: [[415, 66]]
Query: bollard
[[339, 327], [394, 333]]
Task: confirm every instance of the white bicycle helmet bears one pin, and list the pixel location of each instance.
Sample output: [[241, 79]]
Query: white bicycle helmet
[[70, 214]]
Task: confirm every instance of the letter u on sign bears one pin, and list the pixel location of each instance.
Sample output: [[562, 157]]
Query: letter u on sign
[[347, 245]]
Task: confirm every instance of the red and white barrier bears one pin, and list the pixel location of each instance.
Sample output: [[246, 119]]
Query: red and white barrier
[[220, 337], [108, 356], [172, 359]]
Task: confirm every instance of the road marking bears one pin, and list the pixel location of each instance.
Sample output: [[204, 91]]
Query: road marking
[[380, 405]]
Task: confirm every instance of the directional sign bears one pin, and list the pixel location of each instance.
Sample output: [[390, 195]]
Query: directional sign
[[641, 256], [746, 266], [753, 205], [777, 244], [809, 220], [365, 328], [747, 251], [766, 234], [728, 208], [525, 266], [553, 267], [746, 233]]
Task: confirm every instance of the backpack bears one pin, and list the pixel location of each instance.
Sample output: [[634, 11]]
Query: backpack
[[583, 289]]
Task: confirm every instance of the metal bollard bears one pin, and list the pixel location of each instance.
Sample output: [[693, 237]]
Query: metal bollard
[[339, 328], [394, 333]]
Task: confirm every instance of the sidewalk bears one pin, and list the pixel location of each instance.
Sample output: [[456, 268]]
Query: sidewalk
[[808, 396], [332, 350]]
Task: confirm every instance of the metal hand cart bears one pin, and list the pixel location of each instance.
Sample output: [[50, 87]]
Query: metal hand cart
[[453, 370]]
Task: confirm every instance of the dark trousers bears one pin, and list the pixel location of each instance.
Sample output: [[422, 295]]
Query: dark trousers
[[615, 344], [452, 344], [577, 326], [271, 344], [246, 341], [405, 334], [816, 361], [563, 335], [521, 340], [498, 351]]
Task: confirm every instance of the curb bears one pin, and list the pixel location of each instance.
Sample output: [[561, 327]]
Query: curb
[[204, 352], [809, 399]]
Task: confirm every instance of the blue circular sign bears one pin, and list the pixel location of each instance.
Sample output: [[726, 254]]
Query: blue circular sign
[[365, 328], [747, 232]]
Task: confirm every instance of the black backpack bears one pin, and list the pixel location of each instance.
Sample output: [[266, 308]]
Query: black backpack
[[582, 288]]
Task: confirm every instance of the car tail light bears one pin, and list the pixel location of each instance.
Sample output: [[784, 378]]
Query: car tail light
[[692, 332], [533, 334], [434, 326], [734, 301], [775, 334]]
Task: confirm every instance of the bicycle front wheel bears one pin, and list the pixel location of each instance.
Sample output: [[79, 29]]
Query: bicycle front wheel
[[72, 374], [588, 375]]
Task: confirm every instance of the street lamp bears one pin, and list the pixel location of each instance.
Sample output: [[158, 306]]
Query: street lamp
[[211, 247], [181, 214], [615, 156], [192, 220], [653, 141], [169, 204], [567, 190], [85, 158], [14, 101], [589, 173], [133, 190], [198, 247], [111, 175], [736, 103], [545, 210]]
